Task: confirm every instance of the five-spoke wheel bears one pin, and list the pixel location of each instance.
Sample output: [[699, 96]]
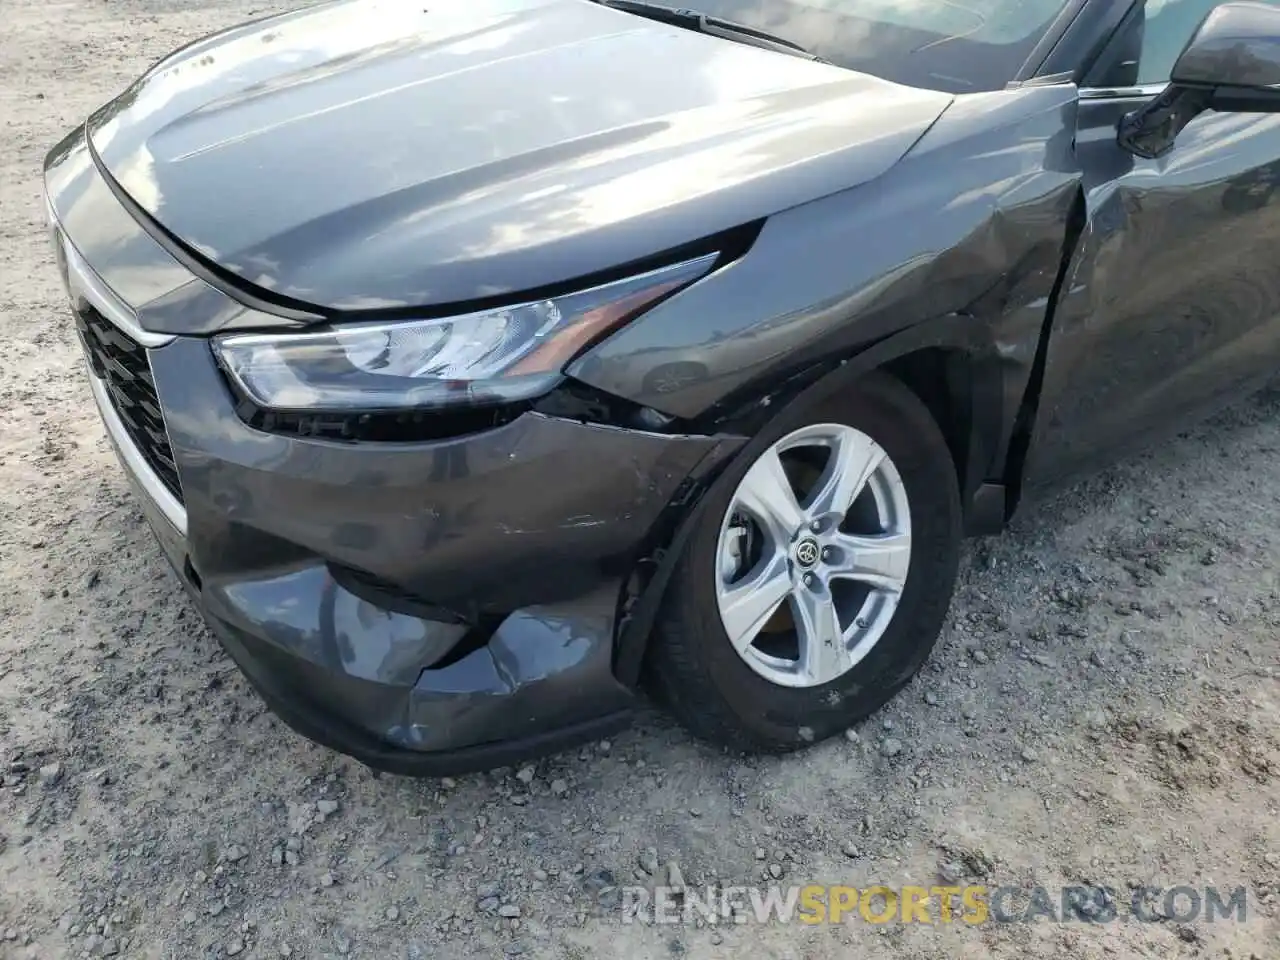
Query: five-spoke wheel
[[818, 572], [813, 554]]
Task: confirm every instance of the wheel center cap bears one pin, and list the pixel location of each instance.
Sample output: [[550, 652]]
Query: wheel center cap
[[807, 552]]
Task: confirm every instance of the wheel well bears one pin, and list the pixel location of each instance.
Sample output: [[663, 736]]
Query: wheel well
[[941, 378], [944, 380]]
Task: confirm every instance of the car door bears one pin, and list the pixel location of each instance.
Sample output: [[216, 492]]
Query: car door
[[1170, 305]]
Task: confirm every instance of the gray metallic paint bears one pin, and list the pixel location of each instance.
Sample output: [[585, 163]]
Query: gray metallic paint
[[1238, 44], [452, 520], [475, 524], [967, 230], [1088, 299], [1171, 304], [520, 143]]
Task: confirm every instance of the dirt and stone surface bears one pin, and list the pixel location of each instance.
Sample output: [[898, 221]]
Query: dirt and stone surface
[[1102, 707]]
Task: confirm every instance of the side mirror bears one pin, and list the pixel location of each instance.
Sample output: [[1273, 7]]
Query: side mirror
[[1231, 64]]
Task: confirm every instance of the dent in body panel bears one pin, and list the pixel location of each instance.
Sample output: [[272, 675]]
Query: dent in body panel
[[544, 667], [309, 614], [970, 224], [1171, 305]]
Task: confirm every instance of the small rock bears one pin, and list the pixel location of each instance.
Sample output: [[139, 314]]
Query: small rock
[[775, 871], [235, 854], [509, 910], [525, 775], [189, 917], [235, 947], [326, 879], [951, 872], [327, 808], [891, 747], [486, 890], [979, 655], [931, 698], [559, 788], [852, 735], [393, 913], [448, 783], [849, 850], [286, 950], [1029, 756], [50, 774]]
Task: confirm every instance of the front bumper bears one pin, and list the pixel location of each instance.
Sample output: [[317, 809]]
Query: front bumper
[[426, 607], [527, 533]]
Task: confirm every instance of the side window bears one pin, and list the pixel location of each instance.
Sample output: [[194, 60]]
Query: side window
[[1145, 47]]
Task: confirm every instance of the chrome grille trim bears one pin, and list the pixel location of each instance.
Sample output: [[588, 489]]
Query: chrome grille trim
[[86, 287]]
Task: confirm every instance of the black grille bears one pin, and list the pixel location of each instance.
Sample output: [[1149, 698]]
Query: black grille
[[122, 365]]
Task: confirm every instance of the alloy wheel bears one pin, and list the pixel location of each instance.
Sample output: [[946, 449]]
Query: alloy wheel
[[813, 555]]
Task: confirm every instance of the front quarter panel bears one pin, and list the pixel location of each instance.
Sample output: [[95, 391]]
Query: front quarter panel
[[972, 223]]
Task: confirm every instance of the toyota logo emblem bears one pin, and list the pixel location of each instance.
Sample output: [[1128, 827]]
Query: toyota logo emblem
[[807, 553]]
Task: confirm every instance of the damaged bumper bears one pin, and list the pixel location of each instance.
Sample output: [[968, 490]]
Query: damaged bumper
[[427, 607]]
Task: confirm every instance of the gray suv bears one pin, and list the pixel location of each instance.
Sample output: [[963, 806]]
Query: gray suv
[[479, 366]]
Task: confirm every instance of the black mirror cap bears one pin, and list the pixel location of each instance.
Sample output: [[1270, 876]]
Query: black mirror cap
[[1231, 64], [1237, 46]]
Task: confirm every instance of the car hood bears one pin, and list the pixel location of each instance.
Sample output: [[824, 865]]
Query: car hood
[[364, 155]]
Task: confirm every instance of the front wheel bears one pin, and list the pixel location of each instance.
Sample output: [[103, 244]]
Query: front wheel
[[819, 574]]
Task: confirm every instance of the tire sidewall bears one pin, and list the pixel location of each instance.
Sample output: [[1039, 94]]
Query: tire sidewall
[[896, 420]]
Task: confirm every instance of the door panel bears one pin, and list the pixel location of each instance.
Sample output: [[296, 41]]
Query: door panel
[[1171, 303]]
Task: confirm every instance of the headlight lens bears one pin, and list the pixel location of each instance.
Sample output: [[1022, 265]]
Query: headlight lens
[[493, 356]]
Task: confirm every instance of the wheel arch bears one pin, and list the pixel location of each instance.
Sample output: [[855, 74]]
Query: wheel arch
[[950, 364]]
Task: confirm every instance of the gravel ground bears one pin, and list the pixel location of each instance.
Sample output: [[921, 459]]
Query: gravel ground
[[1102, 708]]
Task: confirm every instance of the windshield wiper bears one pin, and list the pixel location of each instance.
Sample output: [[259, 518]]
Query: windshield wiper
[[712, 26]]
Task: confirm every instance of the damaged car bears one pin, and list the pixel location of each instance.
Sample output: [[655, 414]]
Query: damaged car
[[481, 365]]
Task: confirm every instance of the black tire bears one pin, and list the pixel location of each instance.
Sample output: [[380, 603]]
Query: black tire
[[696, 672]]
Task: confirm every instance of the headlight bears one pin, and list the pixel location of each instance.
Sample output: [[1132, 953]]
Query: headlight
[[493, 356]]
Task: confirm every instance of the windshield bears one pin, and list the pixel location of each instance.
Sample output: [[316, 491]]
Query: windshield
[[958, 46]]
